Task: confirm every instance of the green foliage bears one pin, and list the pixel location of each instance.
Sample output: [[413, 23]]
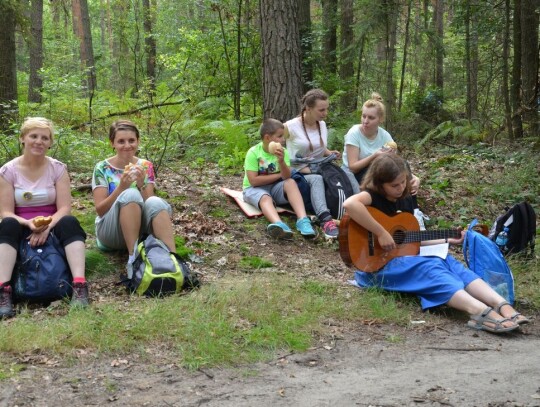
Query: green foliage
[[462, 131], [226, 142]]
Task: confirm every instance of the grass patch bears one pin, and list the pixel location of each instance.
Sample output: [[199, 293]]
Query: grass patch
[[223, 324], [254, 262]]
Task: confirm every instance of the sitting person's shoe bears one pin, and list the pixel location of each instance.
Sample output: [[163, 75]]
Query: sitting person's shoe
[[330, 229], [279, 230], [305, 228], [80, 295], [6, 306]]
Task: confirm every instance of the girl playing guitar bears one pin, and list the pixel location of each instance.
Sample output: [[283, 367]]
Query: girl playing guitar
[[434, 280]]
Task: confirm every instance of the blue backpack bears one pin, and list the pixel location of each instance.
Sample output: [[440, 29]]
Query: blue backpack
[[42, 273], [485, 259]]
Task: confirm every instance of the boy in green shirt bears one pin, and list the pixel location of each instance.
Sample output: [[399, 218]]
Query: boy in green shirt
[[268, 182]]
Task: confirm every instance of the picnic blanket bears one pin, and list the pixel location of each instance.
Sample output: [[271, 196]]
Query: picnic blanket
[[250, 210]]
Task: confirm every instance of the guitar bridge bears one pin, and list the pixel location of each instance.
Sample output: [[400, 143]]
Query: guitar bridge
[[371, 244]]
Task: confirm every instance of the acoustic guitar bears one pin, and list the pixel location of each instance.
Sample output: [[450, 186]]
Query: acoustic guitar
[[360, 248]]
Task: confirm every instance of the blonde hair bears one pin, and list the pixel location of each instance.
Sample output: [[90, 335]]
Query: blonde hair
[[376, 101], [31, 123]]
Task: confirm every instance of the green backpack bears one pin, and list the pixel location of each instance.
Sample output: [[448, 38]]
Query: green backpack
[[157, 271]]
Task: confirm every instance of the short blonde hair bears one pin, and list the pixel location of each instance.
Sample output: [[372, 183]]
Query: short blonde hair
[[31, 123], [376, 101]]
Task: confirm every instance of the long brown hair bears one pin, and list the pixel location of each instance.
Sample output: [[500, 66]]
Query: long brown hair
[[383, 169]]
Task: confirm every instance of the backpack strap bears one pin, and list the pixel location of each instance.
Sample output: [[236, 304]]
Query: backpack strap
[[470, 229], [531, 224]]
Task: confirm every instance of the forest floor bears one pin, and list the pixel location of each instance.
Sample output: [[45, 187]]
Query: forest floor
[[432, 361]]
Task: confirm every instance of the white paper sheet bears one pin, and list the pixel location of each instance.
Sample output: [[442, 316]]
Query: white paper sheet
[[439, 250]]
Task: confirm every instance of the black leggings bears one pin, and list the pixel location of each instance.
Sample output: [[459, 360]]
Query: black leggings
[[67, 230]]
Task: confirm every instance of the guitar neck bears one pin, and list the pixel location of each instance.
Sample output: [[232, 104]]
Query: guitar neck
[[423, 235]]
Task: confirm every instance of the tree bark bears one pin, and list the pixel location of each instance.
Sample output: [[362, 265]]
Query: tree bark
[[346, 64], [281, 59], [150, 42], [471, 55], [515, 89], [392, 12], [505, 70], [439, 46], [405, 50], [81, 25], [306, 40], [35, 82], [529, 65], [329, 40], [8, 67]]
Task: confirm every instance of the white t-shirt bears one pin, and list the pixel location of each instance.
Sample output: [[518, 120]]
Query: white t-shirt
[[298, 144], [367, 147]]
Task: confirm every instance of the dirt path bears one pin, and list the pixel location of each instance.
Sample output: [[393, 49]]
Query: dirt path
[[425, 366]]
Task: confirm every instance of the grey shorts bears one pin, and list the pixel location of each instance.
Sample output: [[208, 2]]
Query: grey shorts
[[253, 195], [108, 230]]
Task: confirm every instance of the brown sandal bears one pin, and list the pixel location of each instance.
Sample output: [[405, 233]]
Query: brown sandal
[[515, 317]]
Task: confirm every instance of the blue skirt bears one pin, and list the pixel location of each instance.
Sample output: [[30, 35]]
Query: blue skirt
[[432, 279]]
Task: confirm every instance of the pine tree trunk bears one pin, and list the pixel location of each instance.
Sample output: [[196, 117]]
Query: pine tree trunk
[[306, 39], [346, 65], [281, 59], [35, 82], [81, 25], [529, 65], [329, 41], [8, 68], [515, 90]]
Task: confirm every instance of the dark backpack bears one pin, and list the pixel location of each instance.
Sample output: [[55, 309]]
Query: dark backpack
[[41, 273], [484, 258], [337, 188], [520, 220], [304, 188], [157, 271]]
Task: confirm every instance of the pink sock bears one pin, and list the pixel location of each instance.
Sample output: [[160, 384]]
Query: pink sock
[[79, 280]]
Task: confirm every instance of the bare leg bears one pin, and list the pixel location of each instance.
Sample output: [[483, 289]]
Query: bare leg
[[266, 204], [295, 198], [75, 258], [163, 230], [130, 222], [463, 301], [481, 290], [8, 255]]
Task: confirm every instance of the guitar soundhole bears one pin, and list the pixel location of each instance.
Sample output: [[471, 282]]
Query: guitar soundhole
[[399, 237]]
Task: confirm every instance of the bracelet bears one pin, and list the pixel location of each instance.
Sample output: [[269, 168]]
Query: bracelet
[[141, 188]]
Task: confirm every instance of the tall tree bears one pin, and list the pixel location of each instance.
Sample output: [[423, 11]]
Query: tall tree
[[150, 41], [515, 88], [505, 70], [529, 64], [471, 58], [8, 68], [346, 66], [281, 58], [438, 19], [35, 82], [81, 26], [329, 41], [405, 51], [391, 10], [306, 40]]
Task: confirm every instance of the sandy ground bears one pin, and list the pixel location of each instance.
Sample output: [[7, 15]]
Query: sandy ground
[[372, 366]]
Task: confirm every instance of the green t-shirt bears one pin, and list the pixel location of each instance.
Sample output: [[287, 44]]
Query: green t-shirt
[[262, 162]]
